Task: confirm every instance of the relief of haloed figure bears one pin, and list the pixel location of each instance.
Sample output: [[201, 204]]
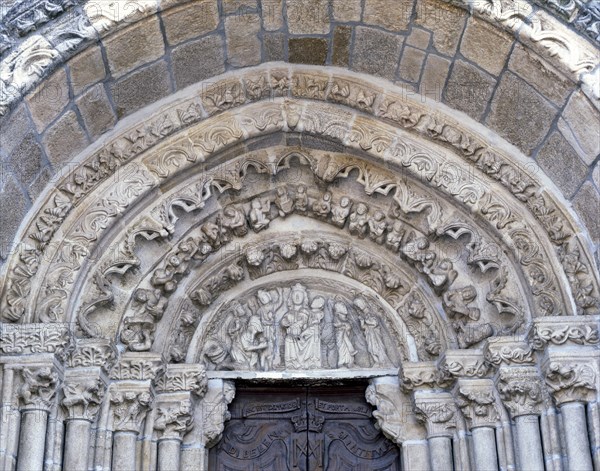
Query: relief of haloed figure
[[297, 328]]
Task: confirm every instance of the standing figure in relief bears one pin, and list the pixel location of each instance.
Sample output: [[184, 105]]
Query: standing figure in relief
[[371, 328], [235, 329], [359, 221], [258, 215], [252, 341], [295, 322], [395, 236], [343, 329], [267, 307], [340, 212], [301, 199], [322, 207], [312, 334], [284, 203]]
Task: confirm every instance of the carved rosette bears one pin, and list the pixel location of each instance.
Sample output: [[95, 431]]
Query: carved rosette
[[477, 402], [521, 390], [571, 379], [129, 405], [437, 411], [38, 387]]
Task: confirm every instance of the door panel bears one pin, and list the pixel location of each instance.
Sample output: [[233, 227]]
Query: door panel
[[302, 429]]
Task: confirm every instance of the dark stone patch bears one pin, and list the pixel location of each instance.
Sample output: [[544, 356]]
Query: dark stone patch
[[308, 50]]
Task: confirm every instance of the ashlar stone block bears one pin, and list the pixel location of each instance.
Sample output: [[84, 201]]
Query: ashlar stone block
[[243, 45]]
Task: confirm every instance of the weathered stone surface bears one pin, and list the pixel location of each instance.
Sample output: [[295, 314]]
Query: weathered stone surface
[[243, 45], [308, 50], [434, 77], [96, 110], [141, 88], [274, 46], [582, 124], [60, 149], [307, 16], [596, 175], [86, 68], [13, 204], [347, 10], [587, 205], [520, 114], [13, 128], [419, 38], [445, 20], [40, 182], [562, 164], [198, 60], [134, 46], [342, 35], [393, 15], [469, 89], [376, 52], [542, 76], [239, 7], [190, 20], [411, 64], [272, 14], [49, 100], [26, 159], [486, 45]]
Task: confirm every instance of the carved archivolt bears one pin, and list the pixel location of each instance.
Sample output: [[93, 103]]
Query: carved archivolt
[[413, 185]]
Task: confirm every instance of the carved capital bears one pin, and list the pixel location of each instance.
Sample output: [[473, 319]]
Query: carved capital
[[88, 353], [424, 374], [174, 416], [477, 402], [129, 404], [214, 411], [83, 391], [570, 378], [508, 351], [141, 366], [464, 363], [38, 387], [576, 330], [185, 377], [521, 390], [21, 339], [437, 411]]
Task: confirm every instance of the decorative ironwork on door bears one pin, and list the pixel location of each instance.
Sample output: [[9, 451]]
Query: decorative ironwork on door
[[303, 428]]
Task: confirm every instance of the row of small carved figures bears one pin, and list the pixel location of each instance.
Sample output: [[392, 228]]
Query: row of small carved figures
[[259, 215]]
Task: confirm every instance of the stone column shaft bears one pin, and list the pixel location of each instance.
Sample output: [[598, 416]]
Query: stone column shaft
[[77, 444], [124, 451], [169, 452], [484, 444], [579, 454], [529, 443], [32, 440], [440, 453]]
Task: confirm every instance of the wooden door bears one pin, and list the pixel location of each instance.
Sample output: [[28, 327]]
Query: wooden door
[[302, 428]]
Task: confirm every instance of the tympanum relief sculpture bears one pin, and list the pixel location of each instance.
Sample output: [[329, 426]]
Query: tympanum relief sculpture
[[294, 327]]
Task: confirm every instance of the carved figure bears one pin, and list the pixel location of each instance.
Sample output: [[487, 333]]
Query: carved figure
[[377, 227], [138, 330], [322, 207], [395, 236], [345, 348], [284, 203], [340, 212], [301, 201], [251, 341], [371, 328], [312, 334], [235, 329], [234, 220], [295, 322], [258, 215], [267, 307], [359, 221], [212, 234], [38, 385]]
